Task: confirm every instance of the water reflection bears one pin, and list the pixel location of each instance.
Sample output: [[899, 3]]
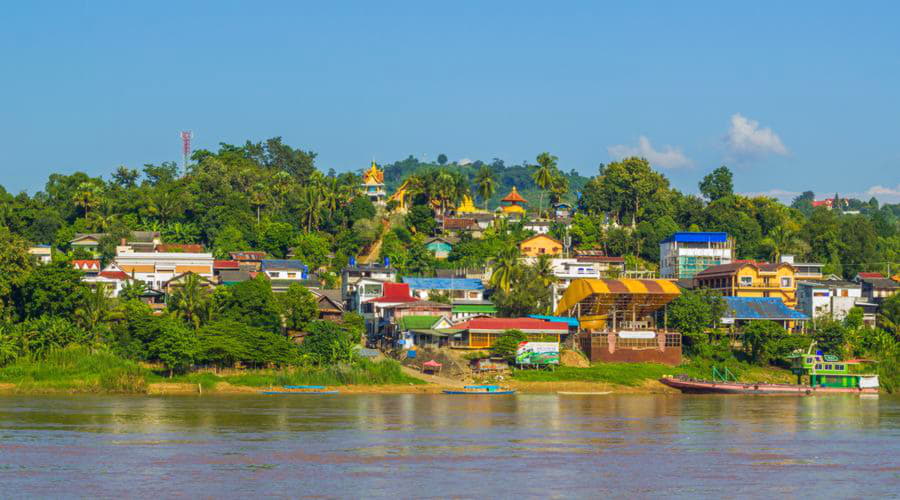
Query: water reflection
[[436, 445]]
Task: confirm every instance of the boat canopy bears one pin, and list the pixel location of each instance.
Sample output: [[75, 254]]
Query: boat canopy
[[592, 300]]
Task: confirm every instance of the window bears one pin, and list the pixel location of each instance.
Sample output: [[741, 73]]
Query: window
[[273, 274], [838, 367], [818, 366], [543, 250], [292, 275], [746, 280], [809, 361], [827, 367], [785, 282]]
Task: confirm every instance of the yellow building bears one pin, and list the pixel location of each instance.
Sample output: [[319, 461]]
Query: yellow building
[[513, 204], [751, 279], [540, 244], [467, 206], [373, 184]]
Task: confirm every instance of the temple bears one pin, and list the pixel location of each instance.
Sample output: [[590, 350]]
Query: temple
[[513, 204], [373, 184], [467, 206]]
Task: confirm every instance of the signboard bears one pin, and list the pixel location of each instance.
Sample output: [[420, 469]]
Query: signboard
[[537, 353], [637, 334], [727, 321]]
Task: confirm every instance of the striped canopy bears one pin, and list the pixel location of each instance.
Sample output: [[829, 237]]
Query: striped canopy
[[598, 297]]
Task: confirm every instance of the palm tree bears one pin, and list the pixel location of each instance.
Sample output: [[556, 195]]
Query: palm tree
[[95, 307], [189, 300], [86, 197], [781, 239], [505, 267], [543, 270], [312, 202], [258, 198], [445, 188], [543, 175], [485, 183], [558, 188], [281, 185]]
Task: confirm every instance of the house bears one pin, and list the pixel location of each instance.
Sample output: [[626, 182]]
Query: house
[[89, 267], [683, 255], [482, 274], [284, 272], [112, 278], [563, 210], [482, 333], [805, 270], [427, 331], [829, 203], [751, 279], [607, 266], [441, 246], [178, 281], [513, 205], [375, 309], [540, 244], [155, 269], [179, 247], [456, 226], [829, 298], [140, 241], [875, 287], [248, 260], [354, 292], [43, 254], [538, 226], [740, 310], [465, 309], [455, 288], [373, 184], [329, 303], [225, 265], [568, 270], [230, 277]]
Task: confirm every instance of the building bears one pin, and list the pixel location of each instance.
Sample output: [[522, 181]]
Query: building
[[513, 205], [43, 254], [441, 246], [829, 298], [139, 241], [178, 282], [683, 255], [427, 331], [563, 210], [373, 184], [805, 270], [875, 287], [363, 281], [454, 288], [220, 266], [467, 207], [155, 269], [329, 303], [740, 310], [90, 267], [112, 278], [538, 226], [455, 226], [465, 309], [829, 203], [374, 309], [248, 260], [540, 244], [751, 279], [283, 272], [609, 267], [482, 333], [619, 320]]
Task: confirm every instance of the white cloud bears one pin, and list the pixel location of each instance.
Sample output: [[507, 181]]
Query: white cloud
[[464, 161], [667, 157], [747, 140], [781, 195], [883, 194]]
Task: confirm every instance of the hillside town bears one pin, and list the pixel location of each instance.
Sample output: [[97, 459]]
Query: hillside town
[[420, 302]]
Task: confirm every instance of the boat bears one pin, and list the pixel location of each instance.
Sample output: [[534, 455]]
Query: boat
[[489, 390], [571, 393], [827, 375], [300, 389]]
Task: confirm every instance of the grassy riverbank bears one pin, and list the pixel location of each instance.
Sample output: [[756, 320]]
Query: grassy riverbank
[[639, 374], [77, 370]]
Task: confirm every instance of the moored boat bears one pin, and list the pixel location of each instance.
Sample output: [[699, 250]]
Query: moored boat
[[300, 390], [489, 390]]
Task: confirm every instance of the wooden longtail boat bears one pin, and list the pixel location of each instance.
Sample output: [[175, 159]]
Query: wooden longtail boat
[[489, 390], [693, 386], [301, 390]]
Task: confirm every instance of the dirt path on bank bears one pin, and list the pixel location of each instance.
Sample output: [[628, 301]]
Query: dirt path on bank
[[432, 379]]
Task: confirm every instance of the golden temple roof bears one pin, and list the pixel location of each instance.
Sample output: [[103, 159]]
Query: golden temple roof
[[374, 175], [514, 197], [467, 206]]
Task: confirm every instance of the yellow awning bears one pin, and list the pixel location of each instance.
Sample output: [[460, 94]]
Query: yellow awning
[[598, 297]]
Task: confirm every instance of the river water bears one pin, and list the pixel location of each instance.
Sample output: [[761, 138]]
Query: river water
[[436, 446]]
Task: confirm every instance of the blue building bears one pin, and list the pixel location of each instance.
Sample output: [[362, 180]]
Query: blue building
[[683, 255]]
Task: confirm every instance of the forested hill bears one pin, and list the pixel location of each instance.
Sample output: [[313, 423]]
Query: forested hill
[[506, 176]]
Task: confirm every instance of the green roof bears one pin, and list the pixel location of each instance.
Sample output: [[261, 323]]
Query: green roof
[[419, 322], [475, 308]]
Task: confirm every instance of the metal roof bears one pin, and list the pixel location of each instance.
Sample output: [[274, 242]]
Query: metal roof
[[558, 319], [282, 264], [443, 283], [698, 237], [771, 308]]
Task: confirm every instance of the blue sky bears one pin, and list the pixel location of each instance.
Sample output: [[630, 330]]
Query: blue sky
[[791, 95]]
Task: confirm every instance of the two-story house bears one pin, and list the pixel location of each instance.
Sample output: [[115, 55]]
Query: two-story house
[[751, 279]]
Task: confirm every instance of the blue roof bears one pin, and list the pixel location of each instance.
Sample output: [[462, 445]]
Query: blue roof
[[443, 283], [557, 319], [771, 308], [703, 237], [282, 264]]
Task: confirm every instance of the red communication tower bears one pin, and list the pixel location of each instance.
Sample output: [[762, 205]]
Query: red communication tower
[[186, 136]]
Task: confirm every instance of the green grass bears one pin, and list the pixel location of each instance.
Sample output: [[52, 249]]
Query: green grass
[[76, 369], [633, 374]]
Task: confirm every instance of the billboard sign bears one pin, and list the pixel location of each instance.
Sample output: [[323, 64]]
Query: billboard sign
[[537, 353]]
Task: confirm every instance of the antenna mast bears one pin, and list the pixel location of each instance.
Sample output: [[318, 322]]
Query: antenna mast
[[186, 136]]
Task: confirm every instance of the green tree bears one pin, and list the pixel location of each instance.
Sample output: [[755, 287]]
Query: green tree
[[95, 307], [15, 268], [717, 184], [189, 301], [276, 238], [298, 306], [830, 336], [504, 268], [52, 289], [694, 314], [508, 343], [544, 174], [312, 249], [761, 340], [442, 159], [176, 346], [252, 302], [328, 343], [485, 184]]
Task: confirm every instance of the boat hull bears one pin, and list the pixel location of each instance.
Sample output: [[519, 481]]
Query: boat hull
[[480, 393], [297, 393], [708, 387]]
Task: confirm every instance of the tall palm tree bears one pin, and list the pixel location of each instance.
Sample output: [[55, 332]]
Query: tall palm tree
[[558, 188], [543, 175], [95, 307], [258, 198], [543, 270], [485, 184], [781, 239], [86, 197], [189, 301], [505, 267]]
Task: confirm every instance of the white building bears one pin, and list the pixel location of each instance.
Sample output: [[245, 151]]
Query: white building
[[683, 255], [829, 299], [352, 275], [155, 269], [42, 253]]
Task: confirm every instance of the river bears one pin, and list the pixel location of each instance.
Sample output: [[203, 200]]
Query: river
[[436, 446]]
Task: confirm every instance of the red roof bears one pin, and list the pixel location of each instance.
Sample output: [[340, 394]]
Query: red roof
[[226, 264], [500, 324], [86, 264], [460, 223], [179, 247], [395, 292], [115, 275], [514, 196], [871, 275]]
